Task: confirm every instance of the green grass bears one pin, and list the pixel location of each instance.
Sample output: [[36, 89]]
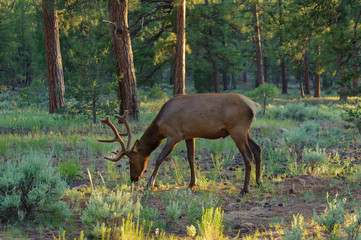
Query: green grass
[[73, 147]]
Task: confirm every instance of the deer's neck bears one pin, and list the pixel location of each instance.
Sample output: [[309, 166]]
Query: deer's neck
[[150, 139]]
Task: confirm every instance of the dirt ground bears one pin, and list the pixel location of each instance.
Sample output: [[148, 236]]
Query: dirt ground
[[300, 194]]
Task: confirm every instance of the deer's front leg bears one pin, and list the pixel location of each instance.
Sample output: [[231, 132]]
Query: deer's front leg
[[191, 159], [169, 146]]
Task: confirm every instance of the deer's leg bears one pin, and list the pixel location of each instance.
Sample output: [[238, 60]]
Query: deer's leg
[[169, 146], [242, 145], [257, 151], [191, 159]]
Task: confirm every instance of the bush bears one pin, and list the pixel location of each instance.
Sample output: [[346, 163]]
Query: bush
[[353, 116], [107, 208], [264, 92], [305, 136], [298, 227], [173, 211], [314, 157], [211, 226], [70, 169], [352, 225], [30, 189], [332, 218], [300, 112]]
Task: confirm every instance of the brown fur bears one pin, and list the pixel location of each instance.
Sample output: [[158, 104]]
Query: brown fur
[[186, 117]]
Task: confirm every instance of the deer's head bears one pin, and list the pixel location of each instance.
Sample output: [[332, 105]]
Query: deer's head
[[137, 160]]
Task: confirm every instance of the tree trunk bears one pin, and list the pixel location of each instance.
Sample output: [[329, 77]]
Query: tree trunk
[[265, 70], [180, 61], [283, 66], [257, 41], [317, 86], [343, 95], [306, 74], [355, 80], [224, 80], [122, 47], [244, 73], [283, 74], [53, 56], [301, 83], [215, 77]]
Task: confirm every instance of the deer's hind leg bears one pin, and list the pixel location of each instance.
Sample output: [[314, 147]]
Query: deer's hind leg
[[191, 159], [240, 138], [257, 153]]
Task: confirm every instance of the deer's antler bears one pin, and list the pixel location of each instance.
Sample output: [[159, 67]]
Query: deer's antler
[[117, 137]]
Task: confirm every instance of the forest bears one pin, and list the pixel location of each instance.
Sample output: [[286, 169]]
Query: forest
[[65, 65]]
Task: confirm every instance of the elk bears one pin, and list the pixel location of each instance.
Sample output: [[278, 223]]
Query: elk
[[186, 117]]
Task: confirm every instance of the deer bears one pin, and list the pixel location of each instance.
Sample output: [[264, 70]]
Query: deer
[[186, 117]]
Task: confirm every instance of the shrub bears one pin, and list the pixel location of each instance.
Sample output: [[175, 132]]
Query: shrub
[[300, 112], [33, 94], [173, 211], [353, 116], [298, 227], [156, 92], [130, 230], [191, 231], [332, 218], [30, 189], [211, 226], [314, 157], [264, 92], [107, 207], [352, 225], [305, 136], [70, 169]]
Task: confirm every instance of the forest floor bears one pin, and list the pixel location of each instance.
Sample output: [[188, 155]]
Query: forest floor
[[264, 212], [289, 186]]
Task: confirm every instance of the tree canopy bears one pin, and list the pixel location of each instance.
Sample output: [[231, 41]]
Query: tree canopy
[[316, 43]]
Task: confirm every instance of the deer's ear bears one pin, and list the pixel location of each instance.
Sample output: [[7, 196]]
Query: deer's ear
[[136, 146]]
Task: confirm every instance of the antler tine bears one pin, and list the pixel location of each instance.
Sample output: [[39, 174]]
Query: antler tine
[[116, 158], [128, 133], [116, 138]]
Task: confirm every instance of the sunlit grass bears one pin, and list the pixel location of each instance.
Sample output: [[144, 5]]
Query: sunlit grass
[[70, 140]]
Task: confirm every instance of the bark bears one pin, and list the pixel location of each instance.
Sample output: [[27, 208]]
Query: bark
[[179, 68], [301, 84], [233, 82], [317, 86], [306, 74], [317, 83], [283, 74], [122, 47], [224, 80], [244, 73], [257, 41], [265, 70], [53, 56], [343, 95], [356, 78], [215, 78], [283, 66]]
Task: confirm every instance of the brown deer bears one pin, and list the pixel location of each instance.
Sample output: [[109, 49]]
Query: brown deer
[[186, 117]]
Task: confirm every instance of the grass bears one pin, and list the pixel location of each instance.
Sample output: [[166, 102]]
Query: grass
[[171, 210]]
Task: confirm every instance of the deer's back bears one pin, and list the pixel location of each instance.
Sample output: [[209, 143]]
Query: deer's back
[[206, 115]]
